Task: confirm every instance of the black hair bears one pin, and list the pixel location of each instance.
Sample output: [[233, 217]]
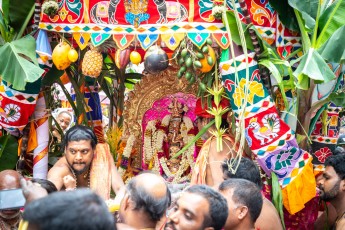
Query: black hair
[[80, 209], [78, 133], [338, 163], [218, 212], [246, 193], [46, 184], [339, 150], [143, 200], [247, 169]]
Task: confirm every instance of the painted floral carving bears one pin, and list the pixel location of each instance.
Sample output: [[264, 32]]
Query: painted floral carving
[[322, 154]]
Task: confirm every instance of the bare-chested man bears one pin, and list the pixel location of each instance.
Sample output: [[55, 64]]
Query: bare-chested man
[[208, 168], [332, 187], [73, 169], [269, 217]]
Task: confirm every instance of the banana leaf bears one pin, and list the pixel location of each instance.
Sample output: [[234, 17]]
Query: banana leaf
[[277, 75], [338, 98], [277, 197], [330, 21], [20, 13], [308, 10], [19, 64], [334, 48], [312, 66], [286, 14], [8, 152], [235, 34], [52, 76]]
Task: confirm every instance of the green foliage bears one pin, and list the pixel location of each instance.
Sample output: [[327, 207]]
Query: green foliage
[[338, 98], [277, 197], [235, 34], [286, 14], [8, 152], [20, 64], [312, 66], [334, 48], [330, 21], [308, 10]]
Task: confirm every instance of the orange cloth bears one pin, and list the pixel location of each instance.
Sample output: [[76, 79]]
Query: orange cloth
[[301, 190], [100, 175]]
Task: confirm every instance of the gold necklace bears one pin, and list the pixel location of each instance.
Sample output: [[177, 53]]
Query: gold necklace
[[85, 176]]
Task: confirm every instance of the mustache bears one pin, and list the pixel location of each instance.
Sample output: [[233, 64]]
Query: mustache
[[170, 225]]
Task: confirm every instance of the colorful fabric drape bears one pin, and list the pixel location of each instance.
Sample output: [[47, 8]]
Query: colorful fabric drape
[[146, 19], [40, 133], [269, 138], [40, 120], [16, 106]]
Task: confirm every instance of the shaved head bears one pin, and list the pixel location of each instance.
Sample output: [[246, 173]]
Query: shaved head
[[9, 179], [152, 183], [149, 195]]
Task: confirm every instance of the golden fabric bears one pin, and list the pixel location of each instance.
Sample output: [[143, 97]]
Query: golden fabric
[[301, 190]]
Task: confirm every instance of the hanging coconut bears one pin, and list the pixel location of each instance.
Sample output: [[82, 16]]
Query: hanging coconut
[[122, 58], [155, 60], [60, 56]]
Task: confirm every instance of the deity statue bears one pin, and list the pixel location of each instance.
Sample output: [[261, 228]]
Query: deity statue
[[163, 139]]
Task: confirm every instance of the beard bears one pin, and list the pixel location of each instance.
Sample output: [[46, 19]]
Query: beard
[[169, 225], [332, 193], [5, 216], [80, 171]]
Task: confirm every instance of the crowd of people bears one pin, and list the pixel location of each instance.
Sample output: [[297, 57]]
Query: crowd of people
[[233, 200]]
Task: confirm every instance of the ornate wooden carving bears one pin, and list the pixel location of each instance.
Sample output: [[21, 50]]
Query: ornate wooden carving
[[151, 88]]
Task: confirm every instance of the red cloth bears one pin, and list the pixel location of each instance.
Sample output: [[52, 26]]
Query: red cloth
[[200, 110]]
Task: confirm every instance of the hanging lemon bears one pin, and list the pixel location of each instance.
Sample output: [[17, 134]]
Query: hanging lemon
[[135, 57], [72, 55]]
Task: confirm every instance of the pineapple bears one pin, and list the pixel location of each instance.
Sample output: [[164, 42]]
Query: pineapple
[[92, 63]]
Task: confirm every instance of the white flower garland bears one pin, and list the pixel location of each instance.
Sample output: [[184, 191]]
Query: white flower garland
[[148, 144], [153, 143]]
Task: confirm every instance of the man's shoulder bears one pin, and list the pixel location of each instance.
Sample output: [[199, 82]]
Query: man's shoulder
[[340, 224], [61, 166]]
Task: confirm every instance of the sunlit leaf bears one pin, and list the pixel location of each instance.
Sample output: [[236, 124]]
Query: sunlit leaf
[[20, 65], [330, 21], [312, 66], [308, 10], [235, 34], [334, 49]]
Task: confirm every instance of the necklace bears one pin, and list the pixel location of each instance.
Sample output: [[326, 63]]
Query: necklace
[[87, 175], [10, 224], [338, 218]]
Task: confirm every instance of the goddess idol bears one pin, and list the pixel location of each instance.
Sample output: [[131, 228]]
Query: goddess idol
[[164, 138]]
